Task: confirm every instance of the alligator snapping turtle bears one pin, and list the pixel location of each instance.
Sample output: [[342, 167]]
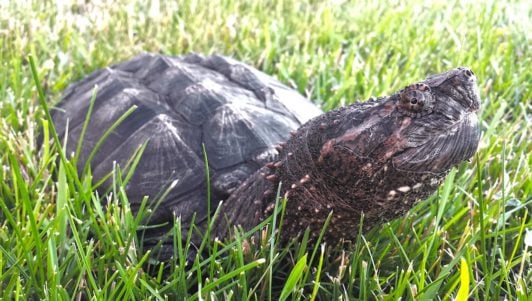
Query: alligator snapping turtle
[[374, 158]]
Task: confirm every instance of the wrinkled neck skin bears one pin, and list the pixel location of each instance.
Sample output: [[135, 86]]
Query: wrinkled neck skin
[[374, 159]]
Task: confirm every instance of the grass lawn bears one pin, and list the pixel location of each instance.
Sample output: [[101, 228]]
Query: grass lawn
[[468, 241]]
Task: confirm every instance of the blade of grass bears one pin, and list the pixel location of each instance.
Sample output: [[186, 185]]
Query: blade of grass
[[85, 125], [295, 276], [106, 134]]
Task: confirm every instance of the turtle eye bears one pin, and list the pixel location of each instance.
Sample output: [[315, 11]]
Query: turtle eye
[[415, 100]]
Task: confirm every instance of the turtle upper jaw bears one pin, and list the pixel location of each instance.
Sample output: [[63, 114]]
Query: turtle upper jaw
[[459, 84], [468, 80]]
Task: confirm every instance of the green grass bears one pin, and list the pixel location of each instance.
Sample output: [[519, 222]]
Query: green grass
[[58, 242]]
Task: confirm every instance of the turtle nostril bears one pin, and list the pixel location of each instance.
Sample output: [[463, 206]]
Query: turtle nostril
[[413, 101]]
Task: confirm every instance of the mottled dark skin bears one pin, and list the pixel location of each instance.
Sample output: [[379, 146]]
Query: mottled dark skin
[[374, 159]]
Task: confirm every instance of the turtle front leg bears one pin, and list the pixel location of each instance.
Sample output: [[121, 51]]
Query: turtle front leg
[[247, 205]]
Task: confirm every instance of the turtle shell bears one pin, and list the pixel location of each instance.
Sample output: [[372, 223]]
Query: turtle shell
[[182, 104]]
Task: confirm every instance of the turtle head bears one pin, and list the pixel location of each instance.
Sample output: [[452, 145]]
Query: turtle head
[[378, 157], [427, 127], [439, 127]]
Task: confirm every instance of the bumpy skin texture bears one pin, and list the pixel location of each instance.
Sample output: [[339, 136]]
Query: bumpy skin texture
[[375, 159]]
